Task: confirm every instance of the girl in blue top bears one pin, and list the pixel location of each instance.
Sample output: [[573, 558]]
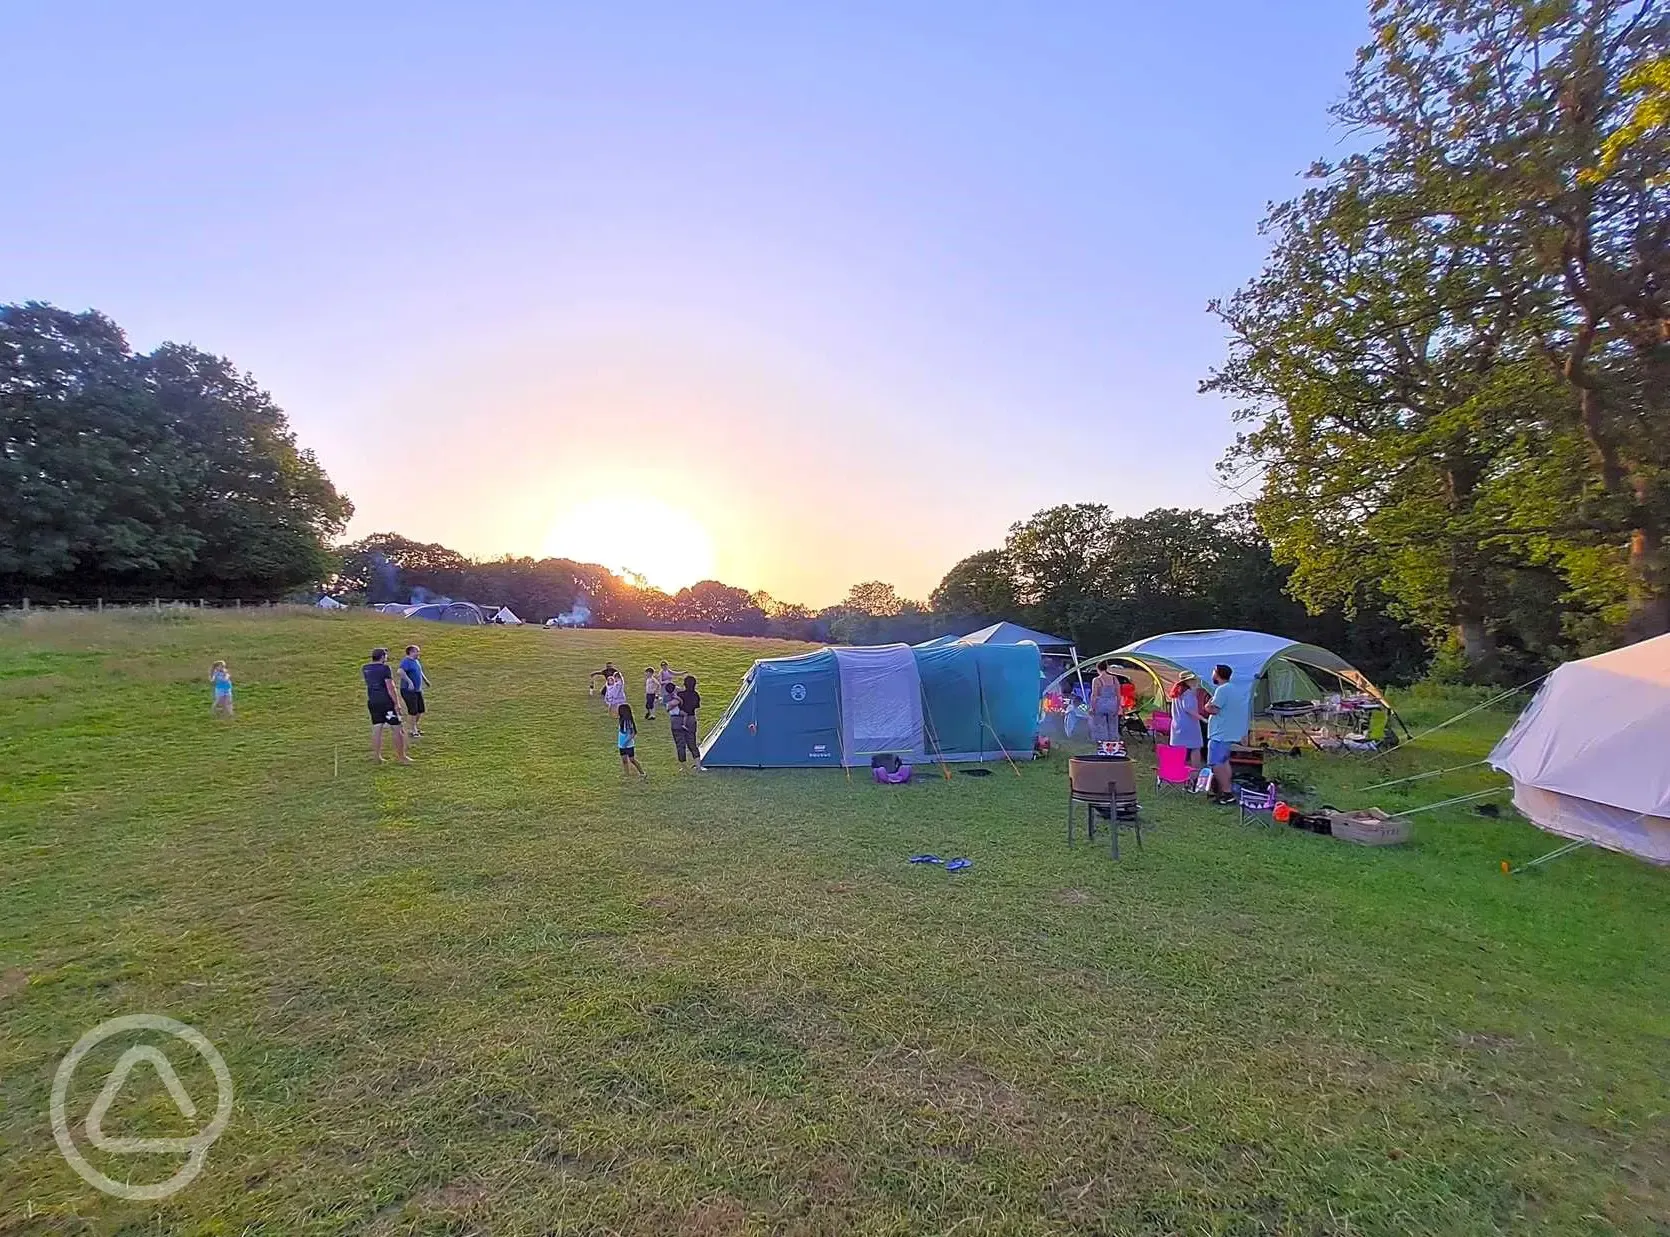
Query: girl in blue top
[[221, 680], [626, 743]]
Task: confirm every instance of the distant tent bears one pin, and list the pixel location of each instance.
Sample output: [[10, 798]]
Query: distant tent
[[1058, 654], [329, 603], [462, 612], [394, 607], [1587, 756], [506, 617], [1281, 669], [1014, 633], [841, 706]]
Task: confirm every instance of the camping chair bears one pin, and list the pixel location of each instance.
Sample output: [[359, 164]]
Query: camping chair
[[1171, 766], [1373, 736], [1256, 802]]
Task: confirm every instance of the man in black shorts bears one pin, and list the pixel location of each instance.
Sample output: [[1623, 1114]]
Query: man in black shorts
[[384, 705]]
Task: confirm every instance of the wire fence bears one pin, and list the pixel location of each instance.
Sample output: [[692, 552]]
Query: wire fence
[[23, 607]]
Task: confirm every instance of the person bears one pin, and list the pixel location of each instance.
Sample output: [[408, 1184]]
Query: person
[[614, 692], [669, 678], [1186, 701], [1228, 718], [1104, 704], [626, 742], [684, 730], [412, 682], [384, 705], [607, 673], [652, 689], [221, 680]]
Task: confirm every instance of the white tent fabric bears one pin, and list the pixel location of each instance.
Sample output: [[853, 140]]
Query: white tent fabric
[[329, 603], [881, 702], [1588, 754], [506, 617]]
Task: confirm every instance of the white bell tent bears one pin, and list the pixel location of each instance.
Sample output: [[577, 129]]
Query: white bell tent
[[1588, 754]]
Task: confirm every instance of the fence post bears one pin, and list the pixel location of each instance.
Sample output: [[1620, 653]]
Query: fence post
[[101, 605], [26, 605], [156, 603], [237, 603]]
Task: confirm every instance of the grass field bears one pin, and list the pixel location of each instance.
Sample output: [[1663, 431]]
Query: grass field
[[502, 991]]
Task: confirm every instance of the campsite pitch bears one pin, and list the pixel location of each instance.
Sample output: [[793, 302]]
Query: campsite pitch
[[503, 991]]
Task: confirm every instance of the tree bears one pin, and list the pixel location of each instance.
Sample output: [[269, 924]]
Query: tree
[[1390, 429], [981, 585], [1515, 131], [168, 474], [873, 598], [1059, 560], [719, 607], [1450, 354], [388, 567], [263, 507]]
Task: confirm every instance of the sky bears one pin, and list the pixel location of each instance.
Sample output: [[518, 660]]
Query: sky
[[791, 296]]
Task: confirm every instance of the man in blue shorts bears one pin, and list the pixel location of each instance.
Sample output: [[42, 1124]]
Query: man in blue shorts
[[1228, 718]]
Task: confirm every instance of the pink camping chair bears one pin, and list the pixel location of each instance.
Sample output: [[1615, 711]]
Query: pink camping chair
[[1171, 766], [1159, 722]]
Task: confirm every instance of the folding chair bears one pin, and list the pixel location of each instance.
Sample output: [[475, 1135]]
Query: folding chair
[[1171, 766], [1255, 802]]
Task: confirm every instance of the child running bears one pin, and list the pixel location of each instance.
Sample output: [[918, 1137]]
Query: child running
[[221, 679], [626, 743]]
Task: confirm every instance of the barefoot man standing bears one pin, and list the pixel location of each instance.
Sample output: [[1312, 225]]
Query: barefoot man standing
[[384, 705]]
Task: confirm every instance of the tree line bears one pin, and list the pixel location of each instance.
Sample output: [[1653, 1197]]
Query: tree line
[[1076, 571], [1454, 369]]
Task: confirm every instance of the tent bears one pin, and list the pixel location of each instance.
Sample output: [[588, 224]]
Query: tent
[[841, 706], [462, 612], [1057, 653], [1282, 669], [1014, 633], [329, 603], [506, 616], [1587, 756]]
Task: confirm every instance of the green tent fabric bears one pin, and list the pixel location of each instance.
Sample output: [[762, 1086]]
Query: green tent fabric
[[839, 707]]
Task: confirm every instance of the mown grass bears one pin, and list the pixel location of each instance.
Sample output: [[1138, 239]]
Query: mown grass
[[503, 991]]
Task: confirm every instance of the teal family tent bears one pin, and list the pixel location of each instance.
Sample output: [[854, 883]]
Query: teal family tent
[[841, 706]]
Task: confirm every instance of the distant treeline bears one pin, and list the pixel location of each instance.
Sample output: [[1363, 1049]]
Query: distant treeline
[[1076, 571]]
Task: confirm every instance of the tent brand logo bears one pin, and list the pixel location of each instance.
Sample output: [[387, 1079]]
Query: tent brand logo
[[797, 693], [194, 1147], [820, 749]]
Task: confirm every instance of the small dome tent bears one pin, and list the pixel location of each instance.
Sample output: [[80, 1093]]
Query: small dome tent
[[506, 617], [841, 706], [329, 603], [1587, 756]]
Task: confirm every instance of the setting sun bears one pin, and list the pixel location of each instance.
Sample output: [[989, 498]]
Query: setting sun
[[635, 535]]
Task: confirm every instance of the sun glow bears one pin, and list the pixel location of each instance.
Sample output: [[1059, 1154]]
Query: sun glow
[[636, 536]]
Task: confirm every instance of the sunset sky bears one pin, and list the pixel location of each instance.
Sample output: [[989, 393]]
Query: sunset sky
[[793, 296]]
